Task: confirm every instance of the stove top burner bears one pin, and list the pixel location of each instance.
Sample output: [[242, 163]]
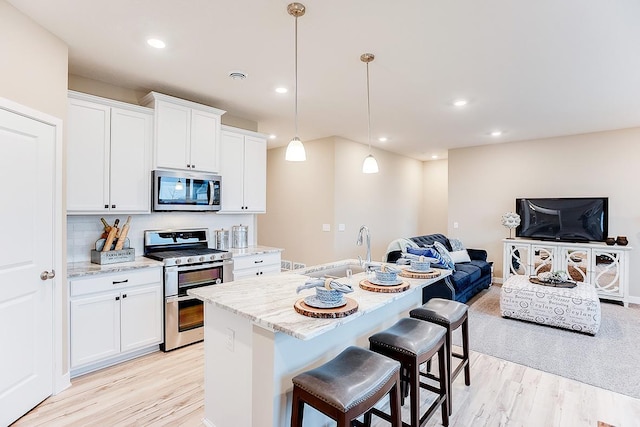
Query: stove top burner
[[181, 247]]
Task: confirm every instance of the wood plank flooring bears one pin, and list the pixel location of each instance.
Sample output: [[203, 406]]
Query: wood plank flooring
[[166, 389]]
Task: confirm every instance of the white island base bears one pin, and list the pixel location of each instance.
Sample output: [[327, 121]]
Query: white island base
[[255, 343]]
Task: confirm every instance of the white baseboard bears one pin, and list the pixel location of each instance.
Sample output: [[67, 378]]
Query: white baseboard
[[208, 423], [61, 382], [634, 300]]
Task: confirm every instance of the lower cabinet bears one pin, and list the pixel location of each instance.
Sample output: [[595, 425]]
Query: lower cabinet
[[113, 317], [256, 265]]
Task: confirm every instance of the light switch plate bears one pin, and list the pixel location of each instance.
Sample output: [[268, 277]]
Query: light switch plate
[[326, 227], [341, 227]]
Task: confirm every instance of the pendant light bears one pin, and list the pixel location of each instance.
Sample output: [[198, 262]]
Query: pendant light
[[295, 149], [370, 165]]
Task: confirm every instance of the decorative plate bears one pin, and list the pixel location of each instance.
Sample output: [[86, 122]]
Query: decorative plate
[[411, 270], [313, 301], [375, 281]]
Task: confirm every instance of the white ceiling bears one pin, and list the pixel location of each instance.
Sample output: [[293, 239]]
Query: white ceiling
[[534, 69]]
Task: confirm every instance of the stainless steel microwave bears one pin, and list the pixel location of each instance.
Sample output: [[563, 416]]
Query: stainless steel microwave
[[186, 191]]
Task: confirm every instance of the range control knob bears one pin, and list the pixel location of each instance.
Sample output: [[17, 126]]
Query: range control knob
[[213, 258], [201, 259], [189, 260], [178, 261]]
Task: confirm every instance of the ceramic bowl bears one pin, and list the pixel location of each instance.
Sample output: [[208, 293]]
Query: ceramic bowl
[[420, 265], [329, 296], [386, 276]]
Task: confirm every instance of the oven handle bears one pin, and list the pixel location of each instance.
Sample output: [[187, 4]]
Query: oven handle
[[200, 266], [179, 299]]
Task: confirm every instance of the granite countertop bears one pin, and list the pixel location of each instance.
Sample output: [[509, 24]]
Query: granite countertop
[[253, 250], [268, 301], [87, 268]]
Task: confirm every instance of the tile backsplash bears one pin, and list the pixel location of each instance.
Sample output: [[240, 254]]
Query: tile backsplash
[[84, 230]]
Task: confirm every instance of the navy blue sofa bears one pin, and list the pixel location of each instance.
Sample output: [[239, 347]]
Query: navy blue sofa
[[467, 280]]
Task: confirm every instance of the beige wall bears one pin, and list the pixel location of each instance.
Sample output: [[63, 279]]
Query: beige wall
[[485, 181], [435, 197], [132, 96], [330, 188], [34, 74]]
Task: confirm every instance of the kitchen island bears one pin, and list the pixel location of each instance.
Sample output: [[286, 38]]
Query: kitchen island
[[255, 342]]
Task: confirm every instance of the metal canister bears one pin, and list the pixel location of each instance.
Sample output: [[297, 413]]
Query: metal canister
[[239, 236], [221, 239]]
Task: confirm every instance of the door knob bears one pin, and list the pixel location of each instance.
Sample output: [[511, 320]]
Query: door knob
[[45, 275]]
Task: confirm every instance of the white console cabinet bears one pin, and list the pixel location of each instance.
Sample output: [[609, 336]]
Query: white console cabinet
[[114, 317], [605, 267], [108, 156], [243, 166], [187, 134]]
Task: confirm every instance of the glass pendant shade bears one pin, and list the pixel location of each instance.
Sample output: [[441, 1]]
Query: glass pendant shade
[[295, 151], [370, 165]]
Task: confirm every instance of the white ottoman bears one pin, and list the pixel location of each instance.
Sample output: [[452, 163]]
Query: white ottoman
[[576, 308]]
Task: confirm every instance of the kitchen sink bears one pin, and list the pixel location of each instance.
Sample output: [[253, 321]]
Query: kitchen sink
[[336, 272]]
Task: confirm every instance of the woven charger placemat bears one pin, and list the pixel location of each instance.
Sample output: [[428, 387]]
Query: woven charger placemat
[[326, 313], [368, 286], [411, 275]]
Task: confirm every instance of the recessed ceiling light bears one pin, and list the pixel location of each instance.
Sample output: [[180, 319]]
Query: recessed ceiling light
[[282, 90], [157, 43], [272, 136], [435, 156], [237, 75], [496, 133], [383, 139], [460, 102]]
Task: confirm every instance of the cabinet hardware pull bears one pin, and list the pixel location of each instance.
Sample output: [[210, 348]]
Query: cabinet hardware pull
[[113, 206], [124, 295], [121, 281], [258, 262], [117, 298], [193, 166], [106, 206]]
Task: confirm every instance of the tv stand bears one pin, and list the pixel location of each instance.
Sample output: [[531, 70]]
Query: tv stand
[[605, 267]]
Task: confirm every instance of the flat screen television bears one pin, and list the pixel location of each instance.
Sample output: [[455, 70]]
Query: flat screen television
[[568, 219]]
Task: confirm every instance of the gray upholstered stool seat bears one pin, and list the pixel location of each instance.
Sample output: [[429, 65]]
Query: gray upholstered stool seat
[[451, 315], [412, 343], [347, 386]]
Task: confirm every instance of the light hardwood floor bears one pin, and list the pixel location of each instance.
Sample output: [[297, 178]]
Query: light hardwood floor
[[166, 389]]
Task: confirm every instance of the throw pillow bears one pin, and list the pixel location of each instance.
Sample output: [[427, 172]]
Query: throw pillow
[[456, 244], [444, 254], [460, 256], [432, 255]]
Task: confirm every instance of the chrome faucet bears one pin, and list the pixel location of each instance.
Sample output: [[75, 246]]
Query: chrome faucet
[[364, 232]]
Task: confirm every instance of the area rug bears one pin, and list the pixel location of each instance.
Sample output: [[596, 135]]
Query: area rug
[[609, 360]]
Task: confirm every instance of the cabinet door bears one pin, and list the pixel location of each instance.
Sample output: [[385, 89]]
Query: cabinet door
[[88, 135], [607, 275], [173, 135], [141, 317], [95, 328], [130, 175], [516, 259], [204, 139], [255, 174], [232, 171], [576, 263], [543, 259]]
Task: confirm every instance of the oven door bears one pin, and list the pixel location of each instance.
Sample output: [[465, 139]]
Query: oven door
[[184, 314]]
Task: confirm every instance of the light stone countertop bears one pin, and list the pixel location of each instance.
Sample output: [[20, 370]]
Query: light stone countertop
[[87, 268], [253, 250], [268, 300]]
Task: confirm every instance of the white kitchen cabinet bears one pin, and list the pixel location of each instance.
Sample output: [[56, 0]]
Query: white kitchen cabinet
[[255, 265], [108, 156], [114, 317], [605, 267], [187, 134], [243, 156]]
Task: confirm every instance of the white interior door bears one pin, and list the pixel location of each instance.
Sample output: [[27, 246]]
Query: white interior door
[[27, 174]]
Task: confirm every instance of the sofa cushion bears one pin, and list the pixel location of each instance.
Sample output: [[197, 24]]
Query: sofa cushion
[[460, 256], [464, 275], [430, 239], [444, 254], [432, 255], [484, 266], [456, 244]]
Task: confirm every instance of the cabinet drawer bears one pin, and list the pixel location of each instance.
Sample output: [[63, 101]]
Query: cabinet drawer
[[259, 260], [115, 281]]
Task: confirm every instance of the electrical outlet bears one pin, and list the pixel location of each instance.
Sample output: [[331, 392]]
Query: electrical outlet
[[455, 224], [326, 227], [341, 227], [231, 338]]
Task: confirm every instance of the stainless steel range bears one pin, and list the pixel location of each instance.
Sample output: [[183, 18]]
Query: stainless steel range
[[188, 263]]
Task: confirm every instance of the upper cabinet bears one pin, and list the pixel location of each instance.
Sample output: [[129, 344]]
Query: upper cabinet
[[108, 156], [187, 134], [243, 166]]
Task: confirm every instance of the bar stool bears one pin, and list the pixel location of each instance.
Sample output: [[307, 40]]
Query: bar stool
[[412, 343], [347, 386], [450, 315]]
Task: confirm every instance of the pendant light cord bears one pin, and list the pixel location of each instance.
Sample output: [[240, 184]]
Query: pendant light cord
[[368, 111], [296, 76]]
